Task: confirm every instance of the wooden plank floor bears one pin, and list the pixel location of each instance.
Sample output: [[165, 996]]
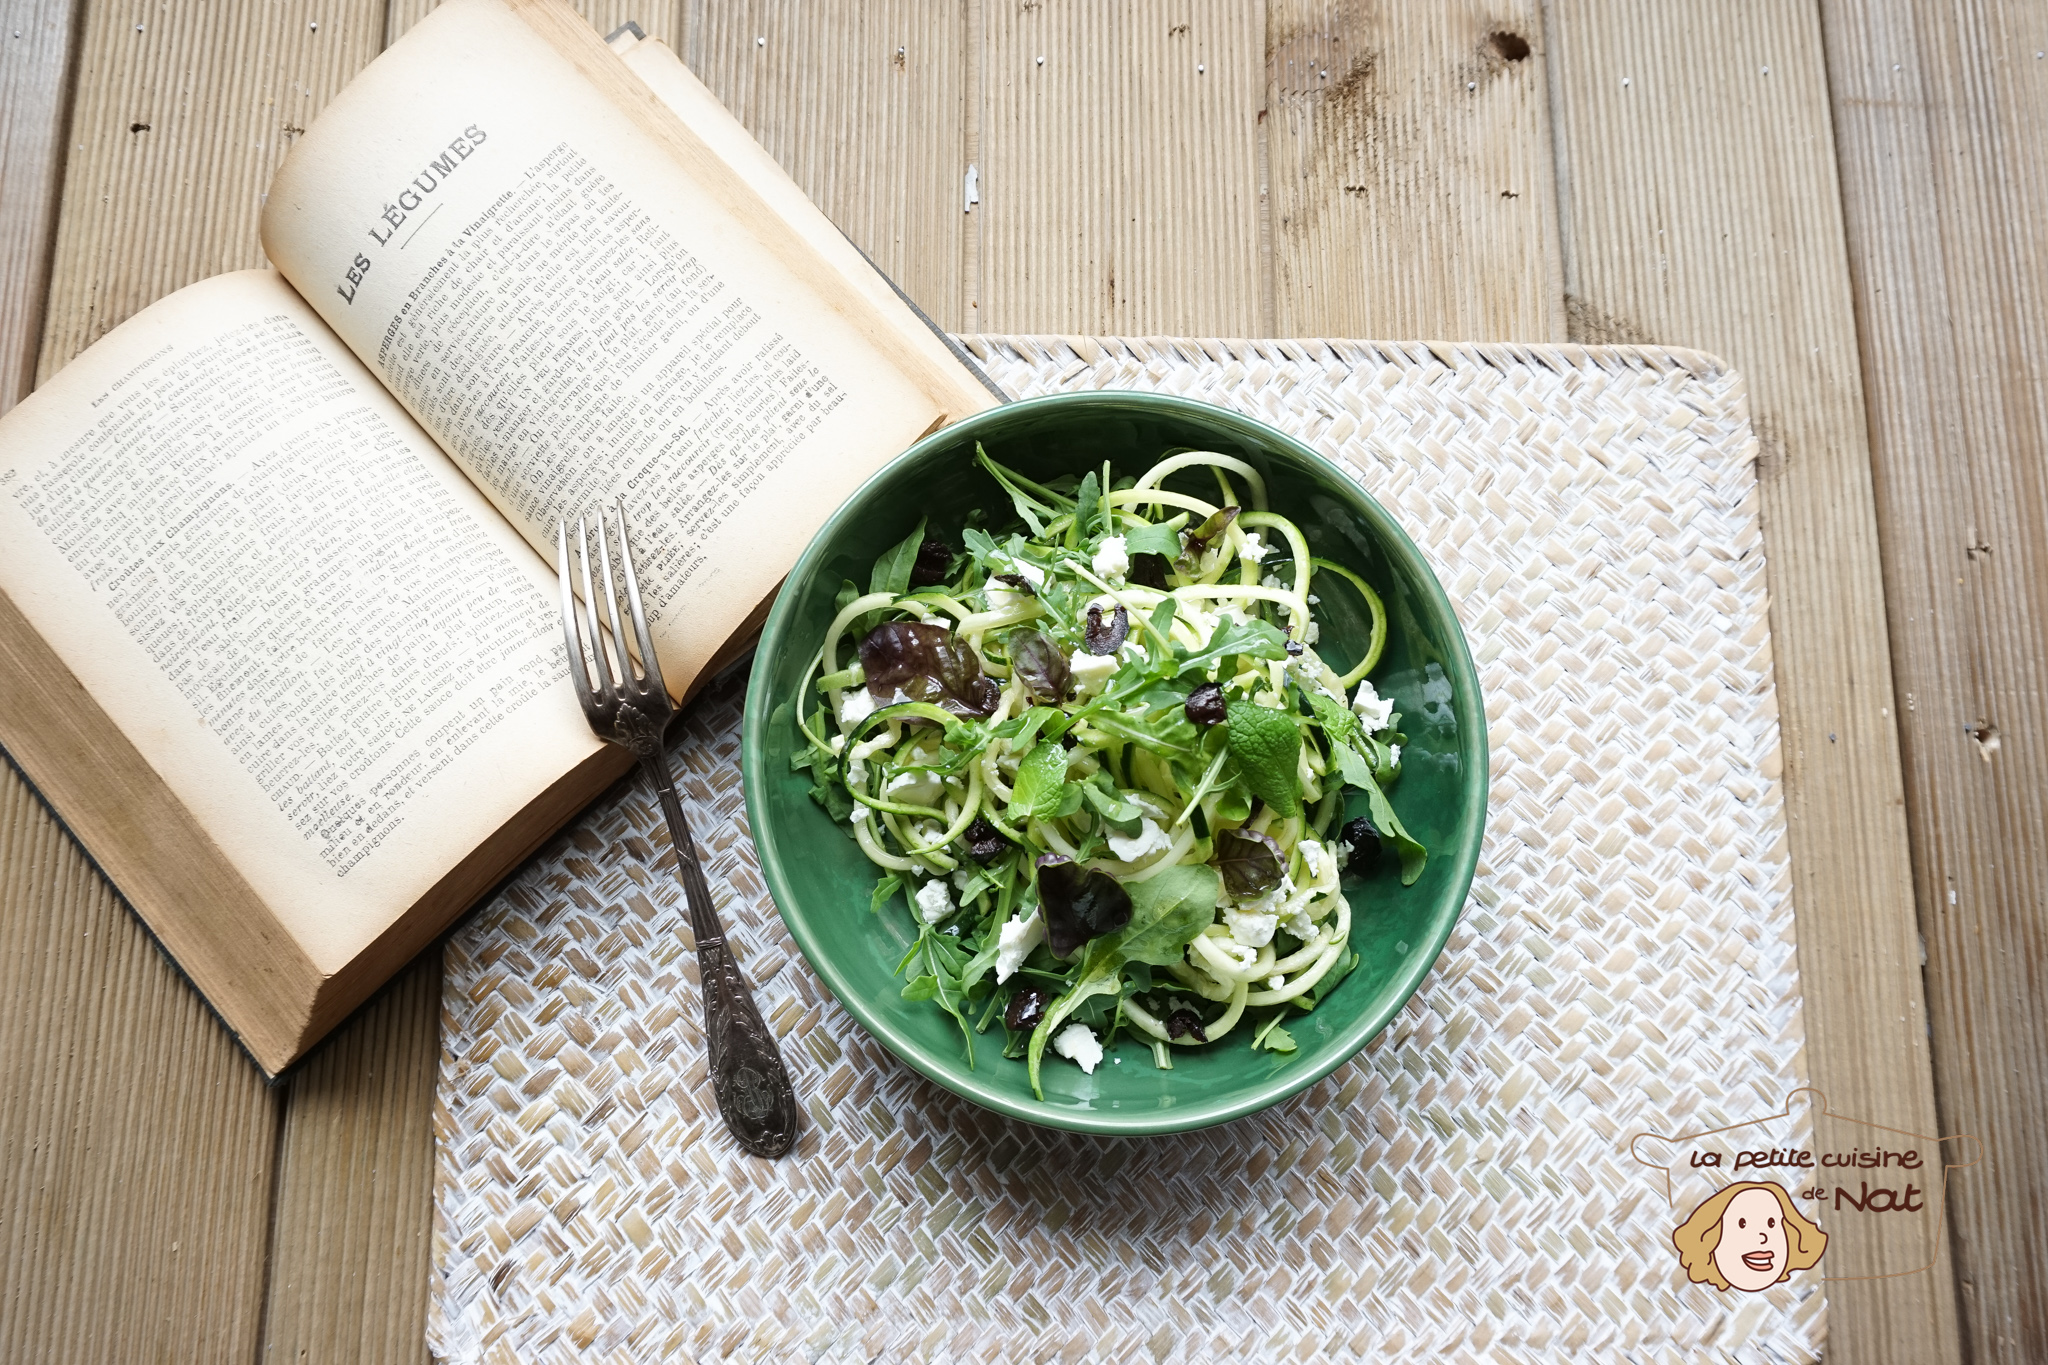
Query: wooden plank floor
[[1845, 203]]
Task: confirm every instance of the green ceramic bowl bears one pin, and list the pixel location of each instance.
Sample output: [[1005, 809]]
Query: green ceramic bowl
[[821, 882]]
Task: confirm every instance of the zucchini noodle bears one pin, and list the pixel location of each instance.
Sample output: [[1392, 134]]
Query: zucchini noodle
[[1110, 732]]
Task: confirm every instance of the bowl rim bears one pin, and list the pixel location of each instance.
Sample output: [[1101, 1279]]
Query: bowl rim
[[1348, 1043]]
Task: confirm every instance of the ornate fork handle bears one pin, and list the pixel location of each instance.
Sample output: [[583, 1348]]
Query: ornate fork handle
[[747, 1074]]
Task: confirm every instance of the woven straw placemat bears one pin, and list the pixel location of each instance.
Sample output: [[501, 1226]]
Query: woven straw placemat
[[1462, 1190]]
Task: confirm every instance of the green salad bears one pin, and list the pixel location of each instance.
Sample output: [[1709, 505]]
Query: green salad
[[1093, 748]]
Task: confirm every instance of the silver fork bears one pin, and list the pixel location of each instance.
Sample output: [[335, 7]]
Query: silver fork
[[747, 1074]]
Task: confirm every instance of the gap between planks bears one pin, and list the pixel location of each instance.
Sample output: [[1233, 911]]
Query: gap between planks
[[1941, 121]]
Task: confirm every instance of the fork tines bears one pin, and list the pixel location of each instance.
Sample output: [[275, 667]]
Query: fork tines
[[598, 687]]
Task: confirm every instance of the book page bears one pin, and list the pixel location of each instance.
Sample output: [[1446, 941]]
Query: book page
[[577, 313], [307, 621]]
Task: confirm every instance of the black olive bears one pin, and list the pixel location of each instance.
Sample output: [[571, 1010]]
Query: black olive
[[1183, 1023], [1205, 705], [1105, 637], [985, 843], [1026, 1008], [934, 557], [1364, 837]]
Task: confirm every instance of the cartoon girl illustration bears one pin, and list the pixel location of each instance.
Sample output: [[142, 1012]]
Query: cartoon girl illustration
[[1748, 1237]]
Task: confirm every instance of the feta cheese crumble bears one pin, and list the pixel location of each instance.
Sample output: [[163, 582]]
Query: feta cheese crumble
[[916, 788], [859, 703], [1248, 929], [934, 902], [1090, 672], [1113, 558], [1393, 753], [1077, 1043], [1018, 938], [1255, 549], [1148, 840], [1373, 710], [856, 706]]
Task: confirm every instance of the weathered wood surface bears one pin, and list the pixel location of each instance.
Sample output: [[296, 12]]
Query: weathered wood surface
[[1184, 166], [349, 1262], [1941, 122], [1701, 209], [1412, 184], [35, 66]]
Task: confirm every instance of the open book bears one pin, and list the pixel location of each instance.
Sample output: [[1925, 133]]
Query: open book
[[278, 637]]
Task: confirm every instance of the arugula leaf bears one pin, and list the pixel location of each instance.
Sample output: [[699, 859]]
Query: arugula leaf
[[1339, 721], [1101, 793], [1087, 507], [1255, 638], [1101, 983], [942, 962], [884, 889], [1354, 769], [1267, 747], [1160, 634], [1156, 718], [1272, 1037], [1037, 791], [892, 570], [1030, 509], [1320, 992], [982, 546], [1413, 854], [1020, 729], [1151, 539]]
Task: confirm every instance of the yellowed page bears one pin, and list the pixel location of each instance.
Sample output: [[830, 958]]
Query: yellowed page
[[302, 616], [692, 102], [574, 315]]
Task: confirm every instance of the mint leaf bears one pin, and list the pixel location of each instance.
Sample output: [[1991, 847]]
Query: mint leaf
[[1267, 747], [892, 570]]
